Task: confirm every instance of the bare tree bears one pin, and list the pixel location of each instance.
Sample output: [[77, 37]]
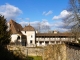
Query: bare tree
[[38, 27], [73, 19], [42, 27]]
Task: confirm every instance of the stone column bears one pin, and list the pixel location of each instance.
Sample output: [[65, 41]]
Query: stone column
[[60, 42], [49, 42], [38, 43], [55, 42], [44, 43]]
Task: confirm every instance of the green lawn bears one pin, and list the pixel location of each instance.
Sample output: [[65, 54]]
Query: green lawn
[[37, 57], [33, 58]]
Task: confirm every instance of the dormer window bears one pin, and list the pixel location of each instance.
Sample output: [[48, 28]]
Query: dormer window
[[31, 36], [25, 31]]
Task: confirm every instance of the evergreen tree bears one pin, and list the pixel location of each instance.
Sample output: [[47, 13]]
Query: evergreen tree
[[4, 34]]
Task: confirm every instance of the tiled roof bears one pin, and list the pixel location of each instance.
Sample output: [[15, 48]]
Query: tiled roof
[[15, 28], [28, 28], [52, 34]]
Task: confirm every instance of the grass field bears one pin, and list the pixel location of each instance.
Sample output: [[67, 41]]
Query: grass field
[[33, 58]]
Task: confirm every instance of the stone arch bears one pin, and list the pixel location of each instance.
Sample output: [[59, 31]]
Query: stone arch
[[18, 38], [23, 40]]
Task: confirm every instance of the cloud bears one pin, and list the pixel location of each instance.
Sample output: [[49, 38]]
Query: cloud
[[44, 12], [47, 13], [59, 25], [53, 25], [45, 22], [25, 23], [9, 11], [62, 15], [20, 18], [35, 23], [27, 18], [63, 29]]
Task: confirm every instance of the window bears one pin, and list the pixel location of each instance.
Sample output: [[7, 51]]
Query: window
[[18, 38], [25, 31], [30, 41], [40, 42], [31, 36], [10, 25]]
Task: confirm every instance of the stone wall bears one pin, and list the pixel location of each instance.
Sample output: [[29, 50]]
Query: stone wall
[[55, 52], [31, 51], [67, 51], [72, 51]]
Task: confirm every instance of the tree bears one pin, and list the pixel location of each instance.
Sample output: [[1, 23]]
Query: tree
[[73, 19], [42, 27], [38, 27], [4, 34]]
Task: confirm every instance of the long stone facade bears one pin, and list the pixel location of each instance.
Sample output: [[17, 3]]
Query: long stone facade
[[44, 39]]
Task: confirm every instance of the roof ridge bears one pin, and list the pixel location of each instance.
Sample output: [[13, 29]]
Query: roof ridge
[[28, 28]]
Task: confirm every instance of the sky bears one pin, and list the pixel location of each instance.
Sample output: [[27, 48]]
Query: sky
[[47, 12]]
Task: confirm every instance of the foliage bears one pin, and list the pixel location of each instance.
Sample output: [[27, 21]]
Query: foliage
[[18, 53], [4, 34], [55, 52], [5, 54]]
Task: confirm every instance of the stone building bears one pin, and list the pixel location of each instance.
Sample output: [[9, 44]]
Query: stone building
[[27, 36]]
